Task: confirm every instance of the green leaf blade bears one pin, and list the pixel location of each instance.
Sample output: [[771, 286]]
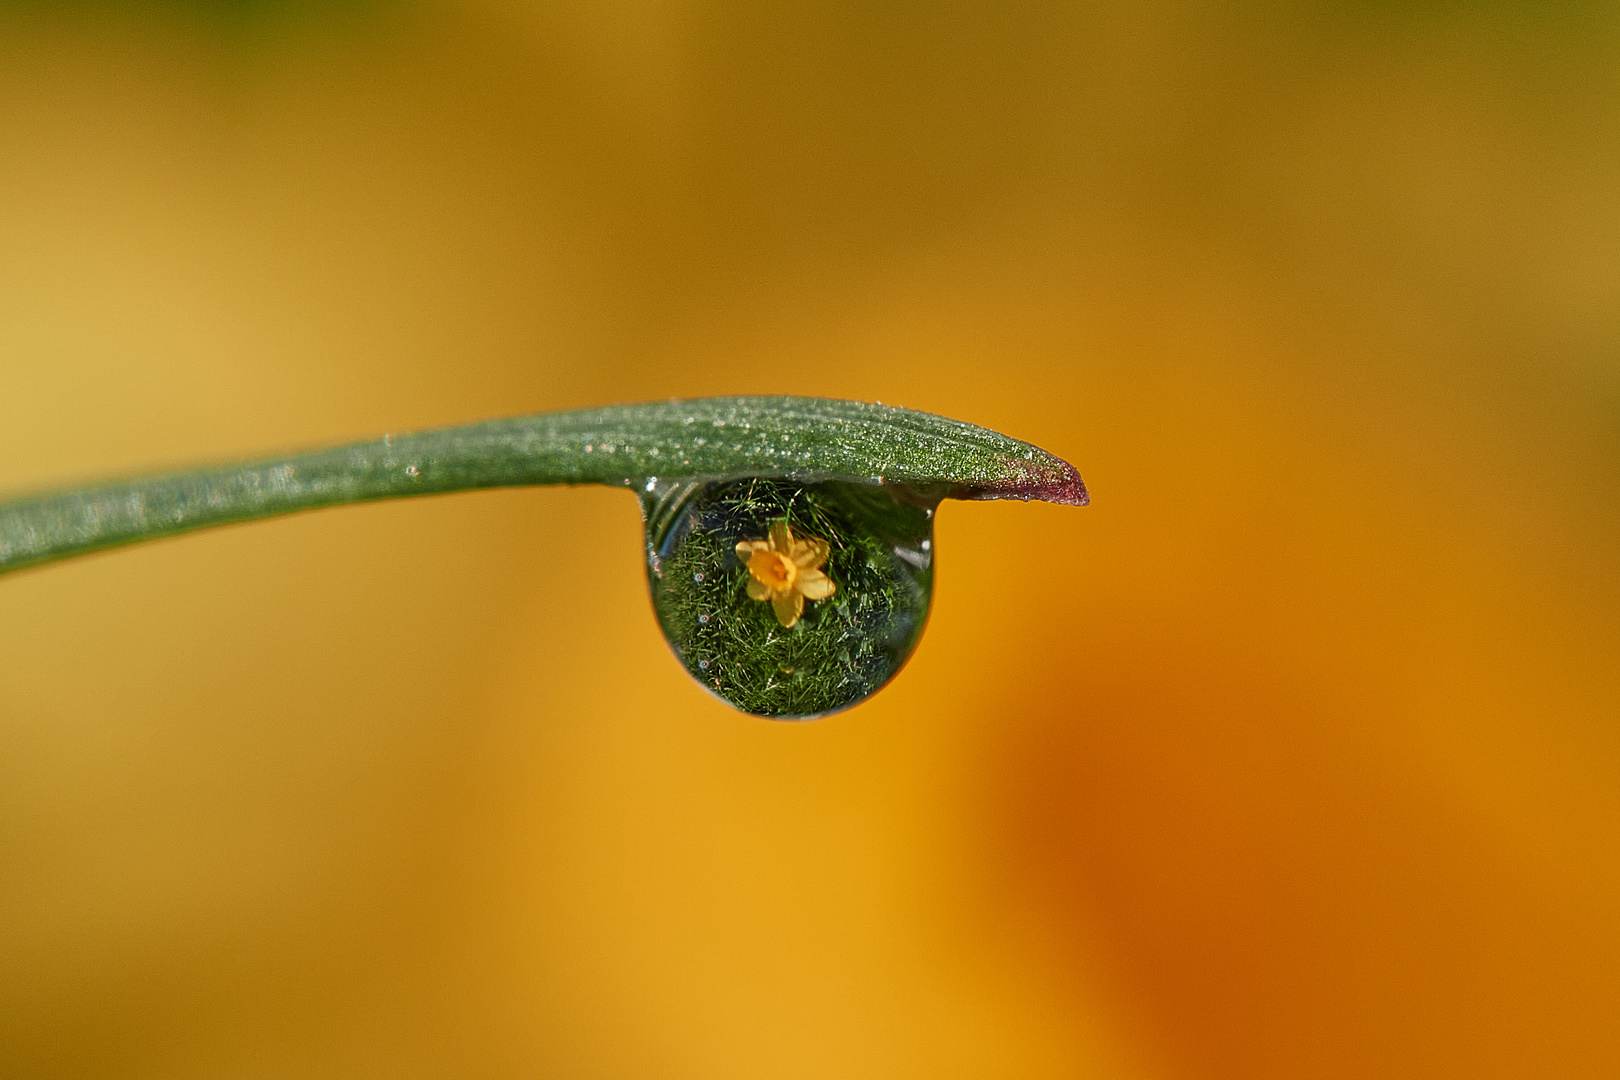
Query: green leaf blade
[[798, 438]]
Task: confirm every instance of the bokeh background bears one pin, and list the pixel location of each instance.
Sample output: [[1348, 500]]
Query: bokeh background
[[1294, 755]]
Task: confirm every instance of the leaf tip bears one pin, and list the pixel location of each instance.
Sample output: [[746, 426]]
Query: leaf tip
[[1048, 479]]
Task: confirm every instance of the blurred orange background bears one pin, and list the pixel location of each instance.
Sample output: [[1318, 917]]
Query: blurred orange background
[[1294, 755]]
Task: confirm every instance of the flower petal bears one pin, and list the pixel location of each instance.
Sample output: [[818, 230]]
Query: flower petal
[[781, 537], [789, 606], [746, 548], [815, 585], [758, 590], [810, 553]]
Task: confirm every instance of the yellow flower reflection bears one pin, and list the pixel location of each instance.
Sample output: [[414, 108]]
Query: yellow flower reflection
[[786, 571]]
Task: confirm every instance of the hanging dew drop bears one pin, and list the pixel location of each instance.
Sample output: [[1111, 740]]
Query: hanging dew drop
[[788, 599]]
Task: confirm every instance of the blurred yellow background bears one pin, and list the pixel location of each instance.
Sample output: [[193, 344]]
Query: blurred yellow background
[[1294, 755]]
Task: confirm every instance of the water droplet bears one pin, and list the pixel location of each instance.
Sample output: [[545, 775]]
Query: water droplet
[[825, 608]]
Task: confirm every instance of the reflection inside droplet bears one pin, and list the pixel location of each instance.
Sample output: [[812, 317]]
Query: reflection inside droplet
[[789, 599]]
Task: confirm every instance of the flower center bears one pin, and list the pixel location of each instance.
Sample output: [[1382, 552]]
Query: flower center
[[774, 570]]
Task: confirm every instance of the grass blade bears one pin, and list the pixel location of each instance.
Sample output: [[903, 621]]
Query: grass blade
[[725, 437]]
